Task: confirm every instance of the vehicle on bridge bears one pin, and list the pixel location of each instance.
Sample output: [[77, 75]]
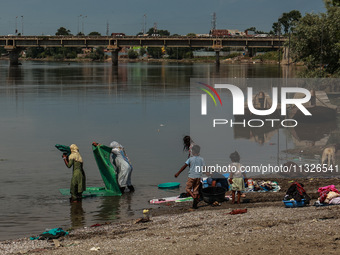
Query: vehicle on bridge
[[226, 33], [261, 35], [117, 34]]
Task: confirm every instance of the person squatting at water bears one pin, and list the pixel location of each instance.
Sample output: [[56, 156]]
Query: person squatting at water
[[218, 180], [78, 181], [235, 178], [194, 177], [123, 166]]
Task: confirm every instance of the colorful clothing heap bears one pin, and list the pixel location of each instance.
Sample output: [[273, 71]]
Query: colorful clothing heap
[[297, 192], [327, 193]]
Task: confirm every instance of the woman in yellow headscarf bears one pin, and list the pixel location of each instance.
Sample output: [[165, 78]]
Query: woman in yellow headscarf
[[78, 182]]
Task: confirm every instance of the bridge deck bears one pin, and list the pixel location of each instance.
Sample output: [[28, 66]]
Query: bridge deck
[[130, 41]]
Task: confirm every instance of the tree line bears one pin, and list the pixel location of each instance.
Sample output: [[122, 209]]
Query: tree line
[[314, 39], [61, 53]]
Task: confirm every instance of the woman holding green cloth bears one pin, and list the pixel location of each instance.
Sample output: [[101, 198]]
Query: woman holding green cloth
[[78, 182]]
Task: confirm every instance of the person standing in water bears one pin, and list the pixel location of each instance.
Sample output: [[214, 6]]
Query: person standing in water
[[193, 184], [188, 144], [78, 181], [123, 166]]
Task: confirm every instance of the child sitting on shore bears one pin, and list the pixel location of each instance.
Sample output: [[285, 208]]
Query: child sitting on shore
[[195, 172]]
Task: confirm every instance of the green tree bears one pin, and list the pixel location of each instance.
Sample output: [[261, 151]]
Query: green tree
[[132, 54], [159, 32], [97, 54], [179, 52], [251, 29], [191, 35], [94, 33], [58, 53], [142, 51], [34, 52], [289, 20], [316, 41], [336, 2], [2, 50], [155, 52], [63, 31], [276, 28]]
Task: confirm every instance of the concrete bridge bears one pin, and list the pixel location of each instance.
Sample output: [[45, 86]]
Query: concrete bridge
[[14, 44]]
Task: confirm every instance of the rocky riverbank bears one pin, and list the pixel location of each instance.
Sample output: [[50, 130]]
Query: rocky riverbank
[[239, 60], [266, 227]]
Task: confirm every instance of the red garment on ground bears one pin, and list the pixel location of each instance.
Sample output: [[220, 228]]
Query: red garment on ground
[[238, 211]]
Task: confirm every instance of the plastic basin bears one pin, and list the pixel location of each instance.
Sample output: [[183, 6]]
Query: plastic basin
[[294, 203], [169, 185]]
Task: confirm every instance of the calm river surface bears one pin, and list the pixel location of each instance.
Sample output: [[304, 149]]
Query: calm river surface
[[144, 106]]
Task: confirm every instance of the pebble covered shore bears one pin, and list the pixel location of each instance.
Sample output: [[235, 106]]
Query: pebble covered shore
[[267, 229]]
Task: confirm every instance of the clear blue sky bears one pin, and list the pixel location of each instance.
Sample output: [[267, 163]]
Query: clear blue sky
[[177, 16]]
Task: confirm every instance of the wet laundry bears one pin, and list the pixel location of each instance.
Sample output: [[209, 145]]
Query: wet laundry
[[53, 233]]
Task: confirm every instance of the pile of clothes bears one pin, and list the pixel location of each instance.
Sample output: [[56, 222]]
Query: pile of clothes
[[328, 195], [296, 192], [53, 233], [262, 186]]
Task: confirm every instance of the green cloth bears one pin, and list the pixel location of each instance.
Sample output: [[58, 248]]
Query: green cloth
[[238, 184], [53, 233], [78, 182], [64, 149], [107, 170]]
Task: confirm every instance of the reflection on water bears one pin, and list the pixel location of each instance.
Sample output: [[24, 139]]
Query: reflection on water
[[77, 215], [261, 135], [43, 104], [14, 75], [108, 209], [303, 135], [312, 134]]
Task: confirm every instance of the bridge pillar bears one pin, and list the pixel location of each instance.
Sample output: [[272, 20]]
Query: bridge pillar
[[13, 55], [217, 57], [114, 54], [285, 56], [250, 52]]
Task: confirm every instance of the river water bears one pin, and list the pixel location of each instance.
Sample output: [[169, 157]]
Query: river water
[[144, 106]]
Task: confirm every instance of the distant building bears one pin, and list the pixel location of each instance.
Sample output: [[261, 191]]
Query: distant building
[[85, 53], [86, 50], [226, 32], [235, 32], [219, 33]]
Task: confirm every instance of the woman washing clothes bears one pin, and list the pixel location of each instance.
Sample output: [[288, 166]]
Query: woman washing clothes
[[78, 181], [123, 166]]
